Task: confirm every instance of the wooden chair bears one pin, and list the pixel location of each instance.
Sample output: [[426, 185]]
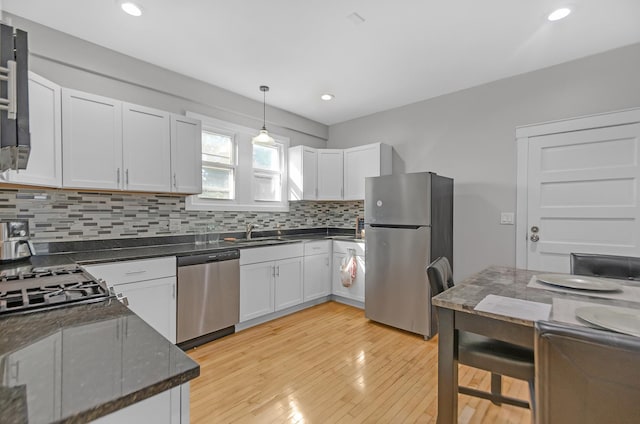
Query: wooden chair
[[609, 266], [586, 376], [498, 357]]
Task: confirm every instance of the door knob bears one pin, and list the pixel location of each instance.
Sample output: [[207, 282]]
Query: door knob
[[534, 238]]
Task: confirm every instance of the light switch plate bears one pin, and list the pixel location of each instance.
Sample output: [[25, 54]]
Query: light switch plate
[[506, 218]]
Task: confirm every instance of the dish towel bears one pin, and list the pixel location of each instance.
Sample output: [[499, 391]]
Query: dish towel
[[348, 270]]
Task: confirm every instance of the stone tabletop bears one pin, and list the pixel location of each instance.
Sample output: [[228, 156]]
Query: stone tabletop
[[508, 282], [78, 363]]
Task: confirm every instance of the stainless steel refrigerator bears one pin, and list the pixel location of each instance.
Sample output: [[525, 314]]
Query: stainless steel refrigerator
[[408, 224]]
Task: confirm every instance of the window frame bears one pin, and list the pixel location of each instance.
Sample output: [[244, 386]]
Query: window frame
[[234, 159], [244, 199]]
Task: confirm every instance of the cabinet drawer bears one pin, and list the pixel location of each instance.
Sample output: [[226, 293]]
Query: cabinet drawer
[[270, 253], [131, 271], [317, 247], [346, 246]]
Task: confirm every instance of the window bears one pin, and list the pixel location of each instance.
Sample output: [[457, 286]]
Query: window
[[238, 175], [218, 166], [267, 172]]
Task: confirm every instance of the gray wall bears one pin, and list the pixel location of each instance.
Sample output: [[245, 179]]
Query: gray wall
[[76, 63], [470, 136]]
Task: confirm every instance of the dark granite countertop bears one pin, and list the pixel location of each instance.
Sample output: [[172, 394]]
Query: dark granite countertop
[[509, 282], [99, 251], [78, 363]]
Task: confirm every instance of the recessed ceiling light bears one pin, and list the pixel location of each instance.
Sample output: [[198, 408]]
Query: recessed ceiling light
[[558, 14], [131, 8], [327, 96]]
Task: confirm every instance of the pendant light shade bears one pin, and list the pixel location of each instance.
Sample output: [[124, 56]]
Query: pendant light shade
[[263, 137]]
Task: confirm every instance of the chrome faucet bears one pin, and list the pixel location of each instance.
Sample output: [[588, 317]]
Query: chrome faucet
[[250, 227]]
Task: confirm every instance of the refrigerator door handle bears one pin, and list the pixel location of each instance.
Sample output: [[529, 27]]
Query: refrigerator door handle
[[405, 227]]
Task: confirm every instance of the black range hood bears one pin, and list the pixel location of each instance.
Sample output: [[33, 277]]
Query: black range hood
[[15, 142]]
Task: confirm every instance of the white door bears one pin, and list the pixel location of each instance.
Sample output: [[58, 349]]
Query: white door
[[44, 167], [186, 155], [256, 290], [309, 173], [288, 283], [330, 169], [583, 195], [317, 276], [91, 141], [155, 302], [360, 163], [146, 149]]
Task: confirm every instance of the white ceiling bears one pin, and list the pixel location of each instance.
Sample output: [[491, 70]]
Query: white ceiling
[[405, 51]]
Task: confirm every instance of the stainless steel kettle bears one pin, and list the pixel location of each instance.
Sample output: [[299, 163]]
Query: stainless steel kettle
[[14, 241]]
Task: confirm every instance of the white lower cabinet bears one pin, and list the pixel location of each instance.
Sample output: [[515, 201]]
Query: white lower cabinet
[[342, 250], [150, 288], [256, 290], [25, 368], [288, 283], [317, 271], [163, 408], [270, 279]]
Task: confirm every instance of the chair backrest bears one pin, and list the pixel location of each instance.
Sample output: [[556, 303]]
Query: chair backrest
[[440, 275], [585, 376], [623, 267]]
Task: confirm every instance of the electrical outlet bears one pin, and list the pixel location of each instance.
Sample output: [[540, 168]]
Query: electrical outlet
[[174, 224], [506, 218]]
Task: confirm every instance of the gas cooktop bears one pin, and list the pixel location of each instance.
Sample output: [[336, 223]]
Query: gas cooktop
[[40, 289]]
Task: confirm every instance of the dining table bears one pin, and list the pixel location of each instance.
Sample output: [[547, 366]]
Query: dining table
[[456, 311]]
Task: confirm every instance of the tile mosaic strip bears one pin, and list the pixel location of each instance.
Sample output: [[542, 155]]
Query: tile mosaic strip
[[69, 215]]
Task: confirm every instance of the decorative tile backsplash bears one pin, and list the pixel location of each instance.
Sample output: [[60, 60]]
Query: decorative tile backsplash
[[69, 215]]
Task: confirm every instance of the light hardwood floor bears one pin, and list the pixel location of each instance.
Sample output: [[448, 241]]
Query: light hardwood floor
[[329, 364]]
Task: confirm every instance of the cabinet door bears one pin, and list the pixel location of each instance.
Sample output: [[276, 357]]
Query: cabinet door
[[303, 173], [309, 173], [45, 160], [156, 409], [37, 368], [317, 277], [155, 302], [146, 148], [330, 169], [92, 141], [359, 163], [256, 290], [356, 290], [186, 155], [288, 290], [101, 340]]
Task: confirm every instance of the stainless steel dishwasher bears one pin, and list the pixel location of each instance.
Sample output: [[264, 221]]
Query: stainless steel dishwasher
[[208, 305]]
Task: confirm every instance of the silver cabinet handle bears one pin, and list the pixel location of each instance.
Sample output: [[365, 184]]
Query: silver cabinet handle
[[175, 183], [118, 176], [278, 271], [126, 176], [273, 271], [135, 272]]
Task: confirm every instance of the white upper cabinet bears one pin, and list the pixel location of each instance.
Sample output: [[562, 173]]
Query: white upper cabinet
[[335, 174], [371, 160], [146, 149], [303, 173], [112, 145], [186, 155], [92, 141], [45, 160], [330, 169]]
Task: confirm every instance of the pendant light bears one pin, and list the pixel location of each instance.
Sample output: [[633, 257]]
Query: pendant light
[[264, 137]]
